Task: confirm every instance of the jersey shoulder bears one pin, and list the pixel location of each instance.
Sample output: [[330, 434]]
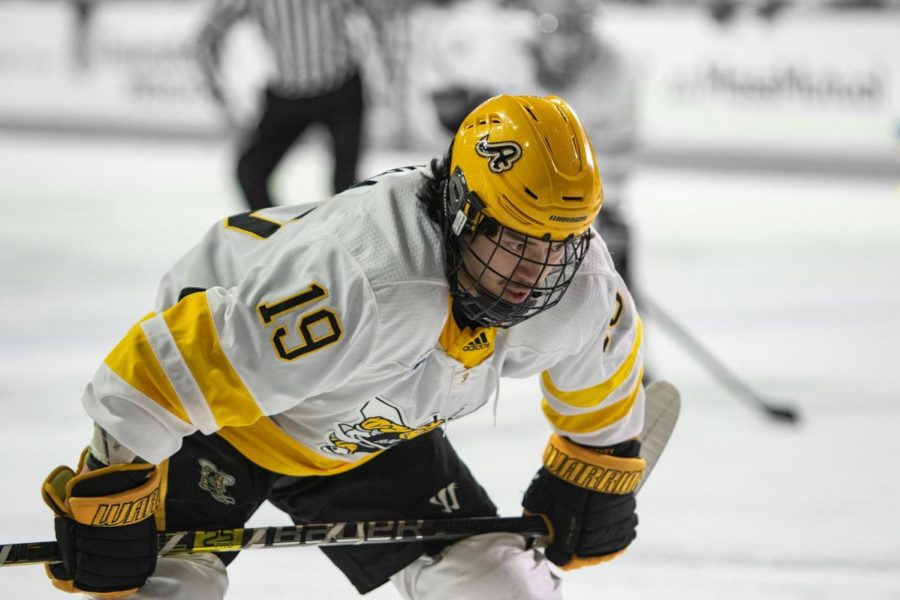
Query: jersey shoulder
[[384, 227]]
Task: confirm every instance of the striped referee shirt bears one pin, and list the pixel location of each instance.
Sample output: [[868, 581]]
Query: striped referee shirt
[[310, 41]]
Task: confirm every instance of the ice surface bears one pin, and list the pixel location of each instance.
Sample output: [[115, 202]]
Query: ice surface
[[793, 282]]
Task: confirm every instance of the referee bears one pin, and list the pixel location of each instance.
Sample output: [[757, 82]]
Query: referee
[[317, 81]]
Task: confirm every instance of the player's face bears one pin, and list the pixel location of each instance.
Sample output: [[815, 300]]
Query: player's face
[[508, 265], [562, 49]]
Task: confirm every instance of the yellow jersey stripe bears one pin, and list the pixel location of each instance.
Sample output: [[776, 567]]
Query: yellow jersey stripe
[[593, 396], [134, 360], [267, 445], [594, 420], [192, 327], [180, 376]]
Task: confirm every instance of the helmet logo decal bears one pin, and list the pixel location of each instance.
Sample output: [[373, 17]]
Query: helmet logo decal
[[501, 155]]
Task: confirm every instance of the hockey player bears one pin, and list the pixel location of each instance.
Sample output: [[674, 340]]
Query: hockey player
[[310, 355]]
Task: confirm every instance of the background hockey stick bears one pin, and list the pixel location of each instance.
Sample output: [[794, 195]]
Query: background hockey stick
[[726, 377], [661, 413]]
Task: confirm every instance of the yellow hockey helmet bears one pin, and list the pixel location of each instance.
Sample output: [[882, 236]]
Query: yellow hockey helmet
[[522, 193], [530, 163]]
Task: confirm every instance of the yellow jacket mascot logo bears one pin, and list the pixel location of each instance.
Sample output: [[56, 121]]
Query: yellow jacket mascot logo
[[380, 427]]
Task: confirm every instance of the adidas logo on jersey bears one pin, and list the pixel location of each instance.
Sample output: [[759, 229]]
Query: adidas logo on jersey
[[479, 343]]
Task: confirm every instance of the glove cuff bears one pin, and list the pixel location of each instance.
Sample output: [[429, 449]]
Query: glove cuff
[[592, 469], [67, 585], [577, 562]]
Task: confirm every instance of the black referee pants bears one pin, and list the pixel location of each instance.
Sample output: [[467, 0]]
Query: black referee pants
[[284, 119]]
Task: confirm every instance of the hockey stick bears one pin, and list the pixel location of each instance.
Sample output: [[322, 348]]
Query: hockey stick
[[715, 366], [660, 415]]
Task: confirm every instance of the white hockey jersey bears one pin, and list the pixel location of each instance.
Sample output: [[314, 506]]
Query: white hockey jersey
[[313, 337]]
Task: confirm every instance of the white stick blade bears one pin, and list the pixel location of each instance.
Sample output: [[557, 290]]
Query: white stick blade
[[663, 405]]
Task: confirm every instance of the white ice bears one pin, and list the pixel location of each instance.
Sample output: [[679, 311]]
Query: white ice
[[794, 282]]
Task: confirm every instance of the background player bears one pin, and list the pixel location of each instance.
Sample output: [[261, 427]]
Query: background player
[[602, 85]]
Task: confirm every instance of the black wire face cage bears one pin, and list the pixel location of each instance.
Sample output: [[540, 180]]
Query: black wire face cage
[[500, 277]]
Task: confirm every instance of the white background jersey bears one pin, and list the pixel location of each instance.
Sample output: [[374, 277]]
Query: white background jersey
[[317, 336]]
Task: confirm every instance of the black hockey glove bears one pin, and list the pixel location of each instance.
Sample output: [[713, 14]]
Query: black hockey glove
[[586, 496], [104, 526]]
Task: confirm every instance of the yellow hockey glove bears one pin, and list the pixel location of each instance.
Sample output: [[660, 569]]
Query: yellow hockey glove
[[104, 526]]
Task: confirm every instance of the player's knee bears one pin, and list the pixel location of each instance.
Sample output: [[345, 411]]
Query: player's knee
[[186, 577], [495, 565]]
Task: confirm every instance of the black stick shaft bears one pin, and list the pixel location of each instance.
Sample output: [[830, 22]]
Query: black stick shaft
[[311, 534], [712, 364]]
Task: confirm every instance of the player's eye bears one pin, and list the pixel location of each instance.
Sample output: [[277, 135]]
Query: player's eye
[[513, 245]]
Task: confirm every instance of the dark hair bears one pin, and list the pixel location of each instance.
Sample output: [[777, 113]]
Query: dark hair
[[431, 194]]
